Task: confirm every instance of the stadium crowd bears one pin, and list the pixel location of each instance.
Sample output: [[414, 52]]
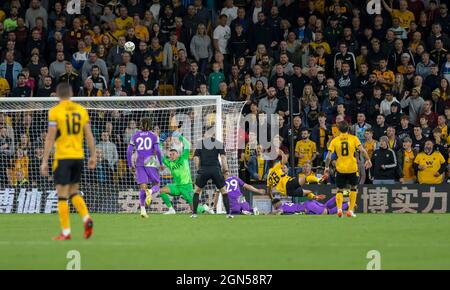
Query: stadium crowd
[[386, 74]]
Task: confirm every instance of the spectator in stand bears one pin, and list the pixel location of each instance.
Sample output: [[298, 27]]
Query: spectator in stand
[[47, 89], [99, 81], [414, 104], [430, 165], [22, 90], [201, 48], [305, 149], [193, 80], [406, 157], [88, 67], [10, 69], [384, 162], [89, 90]]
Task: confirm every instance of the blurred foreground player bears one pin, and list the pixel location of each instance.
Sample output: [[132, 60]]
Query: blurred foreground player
[[68, 124]]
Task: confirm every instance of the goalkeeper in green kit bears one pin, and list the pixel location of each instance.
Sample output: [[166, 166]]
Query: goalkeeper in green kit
[[181, 174]]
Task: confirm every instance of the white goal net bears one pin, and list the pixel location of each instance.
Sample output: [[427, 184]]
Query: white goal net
[[111, 187]]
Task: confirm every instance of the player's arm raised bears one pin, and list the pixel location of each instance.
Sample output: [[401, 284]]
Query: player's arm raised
[[254, 189], [327, 162], [284, 157], [91, 145], [49, 142], [223, 159], [363, 151]]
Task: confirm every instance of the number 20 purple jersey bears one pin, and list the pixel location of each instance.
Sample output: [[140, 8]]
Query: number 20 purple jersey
[[146, 145]]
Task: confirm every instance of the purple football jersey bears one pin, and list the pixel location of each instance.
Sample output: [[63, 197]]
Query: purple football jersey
[[146, 145], [291, 208], [233, 185]]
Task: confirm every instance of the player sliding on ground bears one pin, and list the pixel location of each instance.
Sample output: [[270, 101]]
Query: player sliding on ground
[[286, 185], [206, 160], [148, 162], [235, 197], [345, 146], [68, 124], [181, 174], [310, 207]]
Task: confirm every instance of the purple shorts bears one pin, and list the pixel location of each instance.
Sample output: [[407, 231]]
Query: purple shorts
[[147, 175], [237, 208], [314, 207]]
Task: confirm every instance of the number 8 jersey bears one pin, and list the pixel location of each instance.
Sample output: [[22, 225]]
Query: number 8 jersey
[[345, 146], [69, 118]]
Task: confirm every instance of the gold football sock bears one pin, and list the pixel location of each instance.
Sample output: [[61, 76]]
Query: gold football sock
[[63, 213], [80, 205], [352, 197], [339, 200]]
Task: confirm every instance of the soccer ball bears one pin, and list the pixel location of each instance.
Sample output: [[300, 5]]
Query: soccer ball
[[129, 46]]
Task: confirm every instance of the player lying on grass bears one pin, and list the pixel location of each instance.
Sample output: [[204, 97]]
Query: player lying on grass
[[307, 207], [235, 197], [148, 162], [286, 185], [68, 124], [181, 174]]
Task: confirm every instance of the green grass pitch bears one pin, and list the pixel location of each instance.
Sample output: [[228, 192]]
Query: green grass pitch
[[246, 242]]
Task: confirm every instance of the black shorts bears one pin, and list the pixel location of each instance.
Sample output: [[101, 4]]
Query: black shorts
[[344, 179], [207, 173], [293, 188], [67, 171]]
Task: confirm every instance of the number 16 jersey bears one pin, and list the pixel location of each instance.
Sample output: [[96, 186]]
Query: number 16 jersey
[[345, 146], [69, 119]]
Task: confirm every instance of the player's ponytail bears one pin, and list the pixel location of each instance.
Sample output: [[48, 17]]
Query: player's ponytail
[[145, 124]]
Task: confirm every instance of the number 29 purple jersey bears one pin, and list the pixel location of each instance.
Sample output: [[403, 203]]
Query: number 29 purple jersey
[[146, 145], [233, 185]]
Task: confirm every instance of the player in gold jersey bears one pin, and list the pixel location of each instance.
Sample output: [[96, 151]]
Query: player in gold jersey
[[68, 124], [286, 185], [345, 146]]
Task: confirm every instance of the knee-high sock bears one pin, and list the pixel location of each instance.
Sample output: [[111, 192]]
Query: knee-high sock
[[339, 199], [166, 199], [334, 209], [142, 196], [63, 214], [155, 188], [226, 203], [78, 202], [195, 202], [352, 200], [331, 202]]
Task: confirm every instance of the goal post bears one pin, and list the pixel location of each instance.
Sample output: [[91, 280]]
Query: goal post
[[111, 187]]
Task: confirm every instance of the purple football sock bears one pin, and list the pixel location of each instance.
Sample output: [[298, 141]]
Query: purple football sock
[[142, 197], [155, 188], [345, 206], [331, 202], [334, 209]]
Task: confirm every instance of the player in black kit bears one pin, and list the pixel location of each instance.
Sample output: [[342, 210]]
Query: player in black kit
[[206, 160]]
